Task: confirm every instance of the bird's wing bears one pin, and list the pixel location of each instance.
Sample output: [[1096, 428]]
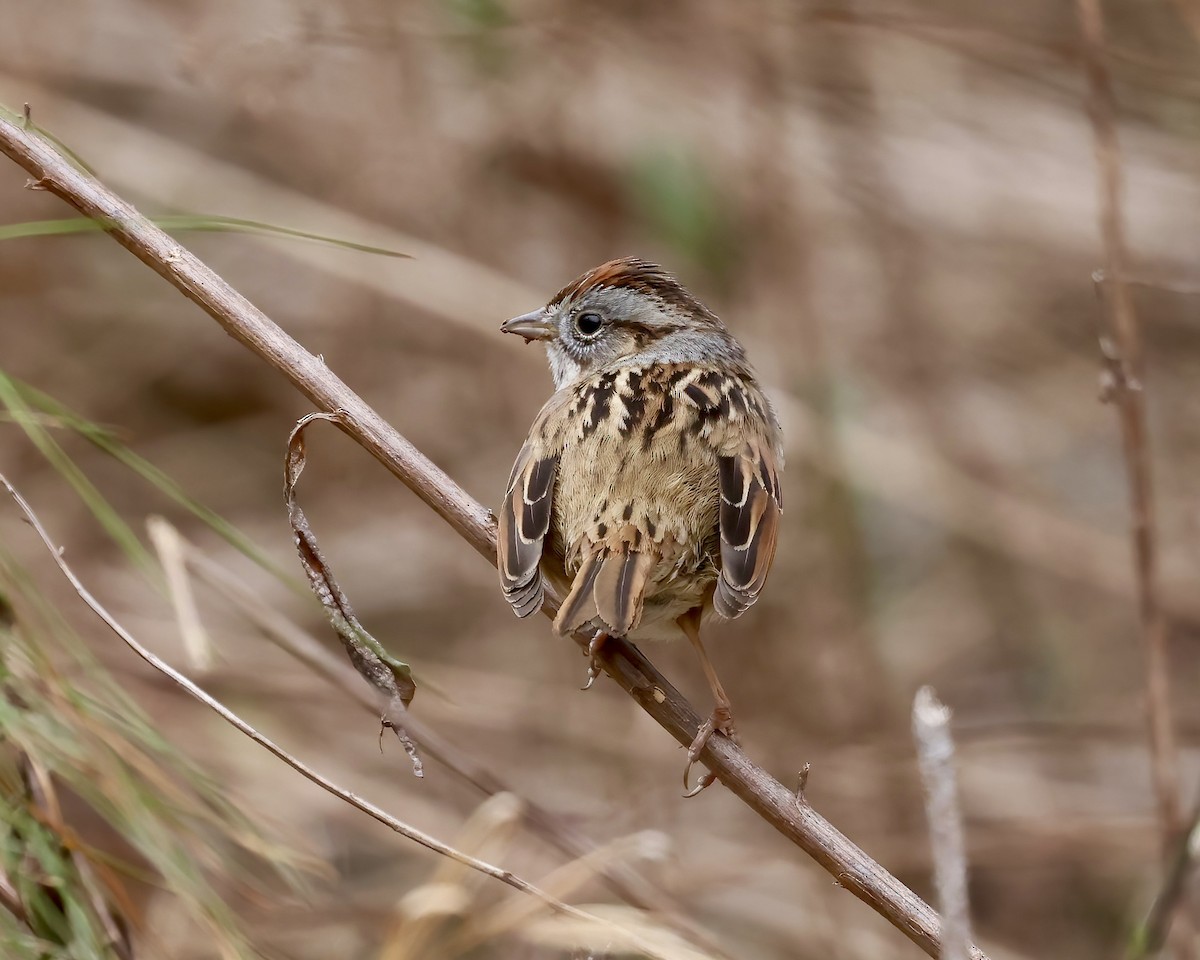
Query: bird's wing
[[749, 522], [737, 419], [524, 523]]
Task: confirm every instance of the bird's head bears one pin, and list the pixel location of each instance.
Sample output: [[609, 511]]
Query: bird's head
[[624, 311]]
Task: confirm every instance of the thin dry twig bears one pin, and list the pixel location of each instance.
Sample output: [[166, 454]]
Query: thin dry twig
[[762, 793], [392, 678], [196, 642], [399, 826], [1180, 286], [1127, 372], [935, 753]]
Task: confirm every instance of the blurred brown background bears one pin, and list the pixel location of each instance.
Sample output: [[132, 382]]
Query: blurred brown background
[[892, 203]]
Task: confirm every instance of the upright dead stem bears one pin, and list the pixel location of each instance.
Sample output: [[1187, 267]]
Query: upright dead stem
[[1127, 381], [935, 755]]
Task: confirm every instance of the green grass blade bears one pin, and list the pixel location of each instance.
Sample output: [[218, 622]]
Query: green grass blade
[[205, 223], [55, 412], [35, 429]]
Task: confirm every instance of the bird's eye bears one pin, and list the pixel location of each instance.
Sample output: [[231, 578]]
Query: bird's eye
[[589, 324]]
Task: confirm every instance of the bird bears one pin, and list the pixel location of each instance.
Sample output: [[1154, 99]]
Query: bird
[[648, 489]]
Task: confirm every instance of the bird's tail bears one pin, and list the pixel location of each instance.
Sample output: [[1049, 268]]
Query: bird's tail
[[609, 588]]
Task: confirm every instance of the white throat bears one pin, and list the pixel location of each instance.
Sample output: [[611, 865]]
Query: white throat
[[563, 367]]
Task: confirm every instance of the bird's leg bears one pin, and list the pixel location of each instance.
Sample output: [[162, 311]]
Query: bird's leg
[[594, 666], [721, 717]]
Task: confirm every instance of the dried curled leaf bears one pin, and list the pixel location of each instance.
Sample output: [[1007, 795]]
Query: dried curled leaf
[[391, 677]]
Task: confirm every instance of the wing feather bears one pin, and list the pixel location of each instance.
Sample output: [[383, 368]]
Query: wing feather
[[524, 522], [749, 524]]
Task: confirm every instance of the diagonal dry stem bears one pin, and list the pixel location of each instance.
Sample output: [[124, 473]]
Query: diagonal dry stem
[[767, 797]]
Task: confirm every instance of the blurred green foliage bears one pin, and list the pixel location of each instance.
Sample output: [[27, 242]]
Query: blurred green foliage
[[36, 413], [67, 728], [681, 206], [481, 23]]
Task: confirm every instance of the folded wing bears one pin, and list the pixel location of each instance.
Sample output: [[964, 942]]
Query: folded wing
[[736, 418], [751, 503], [524, 523]]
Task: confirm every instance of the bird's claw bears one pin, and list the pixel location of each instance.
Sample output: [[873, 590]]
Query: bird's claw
[[706, 780], [722, 720], [594, 665]]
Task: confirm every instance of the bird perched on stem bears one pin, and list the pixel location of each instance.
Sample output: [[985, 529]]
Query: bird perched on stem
[[648, 489]]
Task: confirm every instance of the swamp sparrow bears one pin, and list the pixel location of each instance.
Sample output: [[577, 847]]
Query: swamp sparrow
[[648, 489]]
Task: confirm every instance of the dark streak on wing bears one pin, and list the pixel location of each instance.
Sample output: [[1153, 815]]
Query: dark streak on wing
[[699, 396], [734, 517], [536, 496]]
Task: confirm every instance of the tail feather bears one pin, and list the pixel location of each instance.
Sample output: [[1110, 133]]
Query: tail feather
[[621, 588], [610, 587], [579, 607]]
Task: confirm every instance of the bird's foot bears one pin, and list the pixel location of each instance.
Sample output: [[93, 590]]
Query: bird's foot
[[721, 719], [594, 665]]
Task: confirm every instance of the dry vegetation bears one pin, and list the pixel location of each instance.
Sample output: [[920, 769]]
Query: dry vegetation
[[895, 207]]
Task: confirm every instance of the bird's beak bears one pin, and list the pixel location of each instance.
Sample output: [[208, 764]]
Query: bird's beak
[[531, 326]]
